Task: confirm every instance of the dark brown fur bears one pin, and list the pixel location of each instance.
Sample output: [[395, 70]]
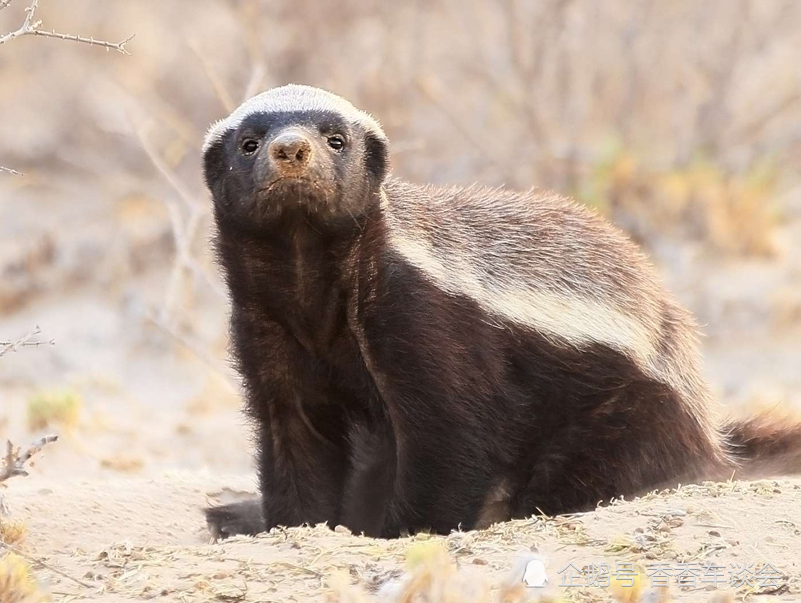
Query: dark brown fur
[[384, 403]]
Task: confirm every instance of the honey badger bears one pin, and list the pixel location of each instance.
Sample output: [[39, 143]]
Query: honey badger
[[423, 358]]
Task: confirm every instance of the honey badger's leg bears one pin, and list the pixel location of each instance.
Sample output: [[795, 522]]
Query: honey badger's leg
[[603, 429], [300, 432], [638, 441], [434, 373], [302, 461], [301, 478], [443, 471], [371, 477]]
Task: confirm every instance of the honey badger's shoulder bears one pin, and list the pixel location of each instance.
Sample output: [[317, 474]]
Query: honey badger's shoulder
[[545, 263]]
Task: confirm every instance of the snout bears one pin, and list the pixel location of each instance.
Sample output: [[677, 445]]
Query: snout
[[291, 153]]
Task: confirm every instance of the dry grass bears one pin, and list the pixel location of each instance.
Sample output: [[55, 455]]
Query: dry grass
[[17, 583], [54, 408], [433, 577], [158, 552], [12, 531], [732, 213]]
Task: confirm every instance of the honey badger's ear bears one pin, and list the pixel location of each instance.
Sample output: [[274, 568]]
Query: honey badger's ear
[[376, 155], [213, 163]]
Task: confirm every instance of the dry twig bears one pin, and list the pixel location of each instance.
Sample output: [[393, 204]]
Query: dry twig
[[194, 349], [23, 342], [14, 461], [32, 27], [185, 228]]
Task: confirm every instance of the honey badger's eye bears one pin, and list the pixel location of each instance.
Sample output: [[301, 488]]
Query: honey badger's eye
[[336, 142], [249, 146]]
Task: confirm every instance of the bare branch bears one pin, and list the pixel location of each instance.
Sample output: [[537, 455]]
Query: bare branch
[[196, 350], [30, 27], [11, 346], [14, 462], [27, 26], [30, 13], [219, 86], [118, 46], [5, 170], [189, 199], [184, 232], [255, 82]]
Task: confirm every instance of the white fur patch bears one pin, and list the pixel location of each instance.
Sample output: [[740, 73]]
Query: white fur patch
[[561, 316], [292, 97]]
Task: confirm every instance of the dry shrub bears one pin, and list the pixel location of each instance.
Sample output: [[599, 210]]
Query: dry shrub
[[730, 213], [54, 408], [12, 531], [17, 583]]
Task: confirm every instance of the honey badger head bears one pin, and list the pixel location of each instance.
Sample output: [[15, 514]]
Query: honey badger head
[[294, 151]]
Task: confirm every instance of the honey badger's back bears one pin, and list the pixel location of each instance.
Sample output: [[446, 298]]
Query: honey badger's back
[[543, 262], [573, 351]]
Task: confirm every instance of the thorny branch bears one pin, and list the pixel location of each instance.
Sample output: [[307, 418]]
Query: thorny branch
[[12, 346], [32, 27], [14, 461]]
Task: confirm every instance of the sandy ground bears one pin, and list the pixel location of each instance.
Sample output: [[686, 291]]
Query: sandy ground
[[134, 539]]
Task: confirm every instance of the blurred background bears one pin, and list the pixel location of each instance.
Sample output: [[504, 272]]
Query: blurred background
[[679, 120]]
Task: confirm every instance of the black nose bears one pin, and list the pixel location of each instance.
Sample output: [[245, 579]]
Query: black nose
[[291, 151]]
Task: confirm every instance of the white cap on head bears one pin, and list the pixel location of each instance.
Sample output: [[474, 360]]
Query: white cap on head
[[291, 97]]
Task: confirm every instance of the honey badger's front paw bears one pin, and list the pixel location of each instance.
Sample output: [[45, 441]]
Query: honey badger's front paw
[[237, 518]]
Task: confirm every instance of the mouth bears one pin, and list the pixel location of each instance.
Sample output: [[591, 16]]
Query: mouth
[[286, 180], [312, 194]]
